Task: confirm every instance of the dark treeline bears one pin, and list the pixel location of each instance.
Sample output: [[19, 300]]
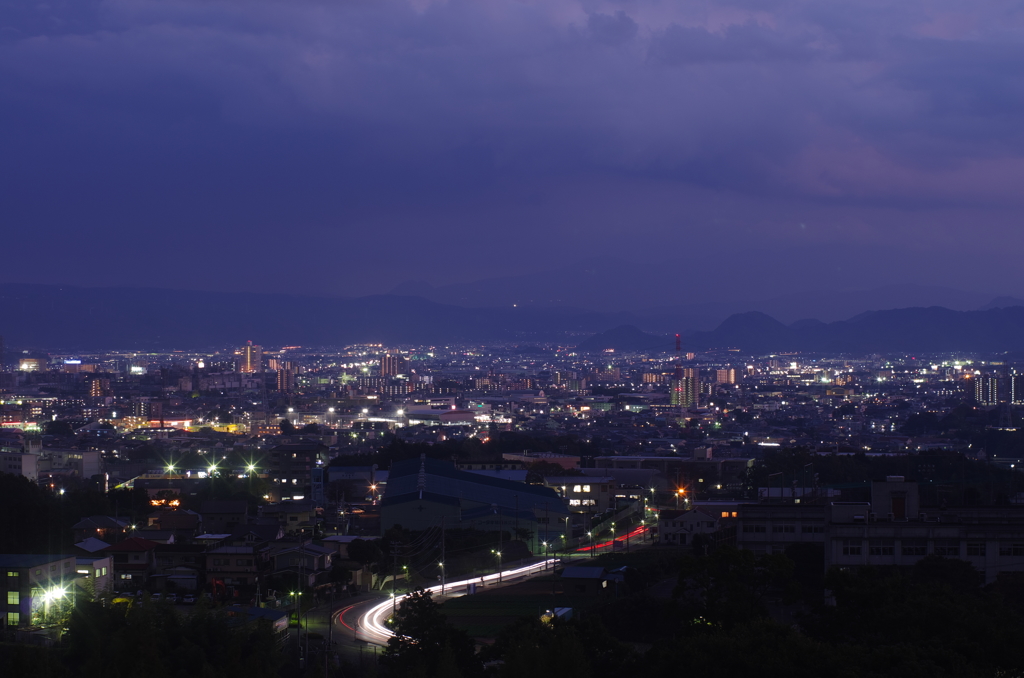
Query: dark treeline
[[149, 640], [734, 613]]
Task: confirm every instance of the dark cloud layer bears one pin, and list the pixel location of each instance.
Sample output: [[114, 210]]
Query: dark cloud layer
[[345, 147]]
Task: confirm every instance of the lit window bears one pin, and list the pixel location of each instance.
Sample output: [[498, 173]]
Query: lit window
[[586, 488], [13, 597], [13, 618], [576, 488]]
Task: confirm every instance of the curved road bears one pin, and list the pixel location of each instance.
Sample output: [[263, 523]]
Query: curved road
[[366, 620]]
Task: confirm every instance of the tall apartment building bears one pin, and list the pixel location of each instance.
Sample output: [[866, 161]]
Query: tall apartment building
[[393, 365], [686, 390], [251, 358], [986, 389], [726, 376]]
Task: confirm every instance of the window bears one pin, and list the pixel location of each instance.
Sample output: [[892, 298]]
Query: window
[[851, 547], [947, 549], [783, 528], [976, 549], [13, 598], [11, 573], [725, 514], [754, 528], [574, 502], [881, 547], [1011, 549], [812, 529], [734, 514], [13, 618], [914, 548]]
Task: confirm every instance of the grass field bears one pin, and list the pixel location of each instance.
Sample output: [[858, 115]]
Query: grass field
[[484, 614]]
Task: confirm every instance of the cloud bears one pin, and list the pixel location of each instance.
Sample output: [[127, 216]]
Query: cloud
[[208, 115]]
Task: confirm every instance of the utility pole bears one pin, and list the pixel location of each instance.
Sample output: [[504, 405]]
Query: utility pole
[[442, 555], [394, 576], [516, 536]]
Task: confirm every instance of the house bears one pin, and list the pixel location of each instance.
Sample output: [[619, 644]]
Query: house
[[185, 525], [134, 561], [223, 516], [296, 517], [181, 566], [101, 527], [678, 528], [229, 568], [308, 563]]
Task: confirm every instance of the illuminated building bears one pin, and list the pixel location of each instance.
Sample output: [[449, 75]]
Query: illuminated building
[[726, 376], [393, 365], [252, 356], [100, 388], [986, 389], [34, 586], [285, 380], [32, 364], [686, 388]]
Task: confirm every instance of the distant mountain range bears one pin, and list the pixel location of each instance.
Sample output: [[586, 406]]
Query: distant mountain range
[[52, 317], [910, 330], [64, 318], [669, 305]]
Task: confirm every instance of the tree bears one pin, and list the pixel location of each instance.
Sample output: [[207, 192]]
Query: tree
[[425, 644], [287, 427], [58, 428], [728, 586]]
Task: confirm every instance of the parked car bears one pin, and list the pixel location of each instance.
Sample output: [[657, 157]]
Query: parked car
[[156, 597], [188, 599], [172, 598]]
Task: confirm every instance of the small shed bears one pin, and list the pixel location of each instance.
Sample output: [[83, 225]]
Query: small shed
[[580, 580]]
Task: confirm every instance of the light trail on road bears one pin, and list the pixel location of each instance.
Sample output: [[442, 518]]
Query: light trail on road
[[371, 623], [635, 533]]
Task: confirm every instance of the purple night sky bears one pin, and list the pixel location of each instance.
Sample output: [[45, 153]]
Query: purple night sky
[[345, 147]]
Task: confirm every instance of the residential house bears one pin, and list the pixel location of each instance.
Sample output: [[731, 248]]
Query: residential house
[[223, 516], [104, 528], [134, 562], [678, 528]]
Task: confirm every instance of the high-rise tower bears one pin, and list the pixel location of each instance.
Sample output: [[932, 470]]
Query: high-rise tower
[[252, 358]]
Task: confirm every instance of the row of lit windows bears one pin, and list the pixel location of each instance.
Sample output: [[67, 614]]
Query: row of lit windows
[[854, 547]]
